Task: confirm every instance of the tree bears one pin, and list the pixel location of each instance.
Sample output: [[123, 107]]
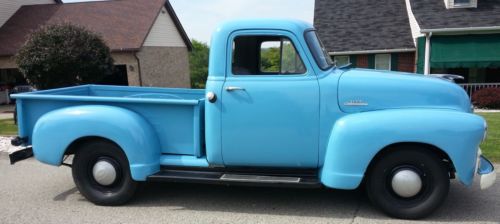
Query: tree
[[270, 59], [198, 64], [64, 55]]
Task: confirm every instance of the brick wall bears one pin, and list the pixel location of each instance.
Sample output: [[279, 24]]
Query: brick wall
[[406, 62], [362, 61]]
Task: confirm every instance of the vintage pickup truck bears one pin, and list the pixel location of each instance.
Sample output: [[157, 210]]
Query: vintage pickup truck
[[303, 123]]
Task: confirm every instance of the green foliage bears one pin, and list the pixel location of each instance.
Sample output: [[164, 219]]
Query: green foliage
[[491, 147], [290, 61], [64, 55], [198, 64], [270, 59]]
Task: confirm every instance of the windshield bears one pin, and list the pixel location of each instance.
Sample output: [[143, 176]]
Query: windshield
[[318, 50]]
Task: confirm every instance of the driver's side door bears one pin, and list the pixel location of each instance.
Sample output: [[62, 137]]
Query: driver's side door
[[270, 103]]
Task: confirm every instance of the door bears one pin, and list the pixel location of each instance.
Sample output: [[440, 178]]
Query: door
[[270, 103]]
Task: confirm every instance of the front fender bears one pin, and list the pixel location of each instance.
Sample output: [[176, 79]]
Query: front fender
[[356, 138], [55, 131]]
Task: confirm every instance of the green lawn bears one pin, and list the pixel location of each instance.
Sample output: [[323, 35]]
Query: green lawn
[[491, 148], [7, 127]]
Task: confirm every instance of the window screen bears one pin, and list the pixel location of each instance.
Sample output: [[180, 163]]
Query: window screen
[[383, 61]]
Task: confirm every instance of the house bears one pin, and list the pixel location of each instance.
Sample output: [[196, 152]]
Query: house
[[458, 37], [367, 34], [425, 36], [148, 43]]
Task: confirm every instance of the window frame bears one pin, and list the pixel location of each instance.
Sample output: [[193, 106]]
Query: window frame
[[389, 62], [455, 5], [266, 33], [312, 50]]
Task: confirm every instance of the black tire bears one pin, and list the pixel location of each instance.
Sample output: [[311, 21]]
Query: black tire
[[117, 193], [434, 176]]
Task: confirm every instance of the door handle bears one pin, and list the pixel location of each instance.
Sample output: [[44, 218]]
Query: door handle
[[233, 88]]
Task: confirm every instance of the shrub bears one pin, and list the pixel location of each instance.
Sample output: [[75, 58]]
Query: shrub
[[64, 55], [487, 98], [198, 64]]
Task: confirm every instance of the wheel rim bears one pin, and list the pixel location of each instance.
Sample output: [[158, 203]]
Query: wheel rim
[[105, 171], [406, 182]]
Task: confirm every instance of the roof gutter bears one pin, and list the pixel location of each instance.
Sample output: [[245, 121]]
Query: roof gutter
[[461, 29], [381, 51]]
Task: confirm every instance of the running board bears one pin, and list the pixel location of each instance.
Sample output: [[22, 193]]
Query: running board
[[259, 179], [214, 177]]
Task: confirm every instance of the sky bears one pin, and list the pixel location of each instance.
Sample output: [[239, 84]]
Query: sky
[[200, 17]]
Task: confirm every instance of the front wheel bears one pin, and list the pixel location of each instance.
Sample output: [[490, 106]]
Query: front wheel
[[409, 183], [101, 173]]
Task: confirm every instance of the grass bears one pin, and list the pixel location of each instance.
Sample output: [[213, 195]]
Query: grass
[[7, 127], [491, 147]]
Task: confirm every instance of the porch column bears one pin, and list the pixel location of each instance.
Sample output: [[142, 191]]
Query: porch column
[[427, 61]]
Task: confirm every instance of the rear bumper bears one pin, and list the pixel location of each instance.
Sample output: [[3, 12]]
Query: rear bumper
[[486, 172]]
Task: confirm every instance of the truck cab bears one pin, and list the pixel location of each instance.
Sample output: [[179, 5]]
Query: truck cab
[[276, 111]]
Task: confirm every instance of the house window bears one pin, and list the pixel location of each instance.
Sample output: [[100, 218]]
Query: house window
[[383, 61], [461, 3], [341, 60]]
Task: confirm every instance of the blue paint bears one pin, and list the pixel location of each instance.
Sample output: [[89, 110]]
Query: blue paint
[[183, 160], [335, 120]]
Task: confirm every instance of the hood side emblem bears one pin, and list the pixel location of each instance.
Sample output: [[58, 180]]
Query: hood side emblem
[[355, 103]]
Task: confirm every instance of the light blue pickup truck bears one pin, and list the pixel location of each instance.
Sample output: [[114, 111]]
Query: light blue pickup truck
[[299, 121]]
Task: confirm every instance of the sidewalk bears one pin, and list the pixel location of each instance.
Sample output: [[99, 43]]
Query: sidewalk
[[6, 112], [485, 111]]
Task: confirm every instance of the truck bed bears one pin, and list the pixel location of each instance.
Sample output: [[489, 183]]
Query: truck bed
[[175, 114]]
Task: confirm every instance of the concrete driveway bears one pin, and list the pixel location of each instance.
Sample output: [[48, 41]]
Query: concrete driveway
[[31, 192]]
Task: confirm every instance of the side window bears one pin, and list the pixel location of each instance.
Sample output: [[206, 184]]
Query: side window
[[265, 55], [383, 61]]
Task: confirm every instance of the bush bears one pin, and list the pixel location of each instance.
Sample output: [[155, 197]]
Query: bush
[[487, 98], [198, 64], [64, 55]]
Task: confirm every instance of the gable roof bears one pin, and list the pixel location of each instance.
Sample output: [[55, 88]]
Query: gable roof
[[123, 25], [360, 25], [432, 14]]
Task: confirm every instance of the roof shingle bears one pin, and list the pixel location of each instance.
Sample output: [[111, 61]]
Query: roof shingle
[[123, 24], [360, 25], [432, 14]]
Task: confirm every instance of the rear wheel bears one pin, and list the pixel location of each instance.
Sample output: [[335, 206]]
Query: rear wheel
[[101, 173], [409, 183]]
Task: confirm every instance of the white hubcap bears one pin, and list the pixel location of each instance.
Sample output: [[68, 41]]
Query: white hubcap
[[104, 173], [406, 183]]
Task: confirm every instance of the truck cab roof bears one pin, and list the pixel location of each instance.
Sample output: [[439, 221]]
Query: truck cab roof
[[221, 35]]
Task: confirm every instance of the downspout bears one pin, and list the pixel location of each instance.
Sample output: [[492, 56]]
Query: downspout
[[427, 61], [138, 68]]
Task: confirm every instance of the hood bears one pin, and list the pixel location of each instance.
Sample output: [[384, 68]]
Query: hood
[[367, 90]]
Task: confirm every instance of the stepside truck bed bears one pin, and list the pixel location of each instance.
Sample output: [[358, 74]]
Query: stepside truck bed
[[175, 114]]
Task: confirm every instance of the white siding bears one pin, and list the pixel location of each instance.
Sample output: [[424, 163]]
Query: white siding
[[9, 7], [164, 33], [415, 28]]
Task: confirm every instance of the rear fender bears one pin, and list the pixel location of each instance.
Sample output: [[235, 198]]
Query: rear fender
[[357, 138], [55, 131]]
